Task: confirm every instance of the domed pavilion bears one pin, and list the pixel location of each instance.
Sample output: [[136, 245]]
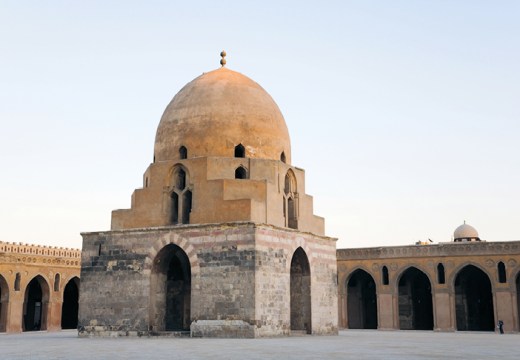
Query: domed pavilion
[[221, 240]]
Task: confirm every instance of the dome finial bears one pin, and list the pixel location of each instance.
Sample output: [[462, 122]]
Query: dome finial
[[223, 60]]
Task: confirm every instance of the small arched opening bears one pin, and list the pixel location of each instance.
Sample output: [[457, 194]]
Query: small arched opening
[[415, 301], [171, 290], [69, 308], [36, 303], [17, 280], [441, 278], [361, 301], [300, 289], [384, 276], [502, 278], [183, 152], [57, 282], [240, 151], [186, 207], [4, 302], [240, 173], [290, 198], [473, 300], [282, 157]]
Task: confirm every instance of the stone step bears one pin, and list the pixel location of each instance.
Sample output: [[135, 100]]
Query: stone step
[[175, 334], [299, 332]]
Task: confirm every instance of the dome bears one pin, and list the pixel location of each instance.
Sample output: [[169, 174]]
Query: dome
[[218, 111], [465, 232]]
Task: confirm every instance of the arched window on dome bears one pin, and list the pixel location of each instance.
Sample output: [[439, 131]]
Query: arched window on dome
[[282, 157], [240, 173], [183, 152], [180, 197], [240, 151], [440, 274], [290, 201], [501, 272]]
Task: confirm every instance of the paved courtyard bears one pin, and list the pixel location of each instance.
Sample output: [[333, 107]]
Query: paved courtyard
[[351, 344]]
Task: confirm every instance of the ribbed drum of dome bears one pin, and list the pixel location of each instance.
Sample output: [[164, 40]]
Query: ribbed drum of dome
[[218, 111]]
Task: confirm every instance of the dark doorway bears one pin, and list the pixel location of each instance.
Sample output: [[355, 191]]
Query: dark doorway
[[300, 292], [35, 305], [361, 301], [171, 290], [69, 308], [473, 300], [4, 300], [415, 301], [518, 297], [240, 151], [240, 173]]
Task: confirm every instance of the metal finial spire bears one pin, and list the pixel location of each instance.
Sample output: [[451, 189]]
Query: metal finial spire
[[223, 60]]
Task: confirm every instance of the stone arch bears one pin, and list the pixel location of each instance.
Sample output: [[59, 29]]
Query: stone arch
[[517, 282], [415, 301], [183, 152], [283, 157], [300, 292], [170, 286], [290, 200], [57, 282], [473, 299], [501, 269], [180, 195], [441, 274], [70, 305], [36, 304], [240, 172], [4, 303], [240, 151], [361, 293]]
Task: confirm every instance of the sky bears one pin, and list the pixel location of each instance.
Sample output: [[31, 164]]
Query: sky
[[405, 115]]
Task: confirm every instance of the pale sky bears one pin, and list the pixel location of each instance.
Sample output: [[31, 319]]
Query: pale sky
[[404, 114]]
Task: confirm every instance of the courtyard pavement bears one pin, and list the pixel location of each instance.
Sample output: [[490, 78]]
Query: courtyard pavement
[[350, 344]]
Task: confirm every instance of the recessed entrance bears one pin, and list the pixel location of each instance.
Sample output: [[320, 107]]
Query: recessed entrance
[[69, 308], [473, 300], [415, 301], [361, 301], [171, 290], [300, 292], [35, 305], [4, 300]]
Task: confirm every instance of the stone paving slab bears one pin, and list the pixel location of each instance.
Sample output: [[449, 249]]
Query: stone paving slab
[[350, 344]]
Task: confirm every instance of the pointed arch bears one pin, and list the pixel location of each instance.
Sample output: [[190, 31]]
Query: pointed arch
[[415, 300], [36, 303], [170, 308], [240, 151], [183, 152], [57, 282], [282, 157], [4, 303], [240, 173], [70, 305], [473, 300], [361, 300], [180, 196], [300, 292], [290, 200], [501, 268], [441, 275], [385, 279]]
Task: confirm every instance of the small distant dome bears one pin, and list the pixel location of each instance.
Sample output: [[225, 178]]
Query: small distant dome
[[465, 232]]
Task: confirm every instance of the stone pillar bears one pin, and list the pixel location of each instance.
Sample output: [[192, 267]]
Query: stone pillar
[[385, 306], [504, 309], [443, 311], [54, 315], [15, 312]]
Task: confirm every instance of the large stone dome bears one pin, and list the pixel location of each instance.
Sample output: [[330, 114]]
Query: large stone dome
[[218, 111]]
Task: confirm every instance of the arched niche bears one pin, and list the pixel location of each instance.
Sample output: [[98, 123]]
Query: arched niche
[[70, 305], [36, 303], [170, 290], [300, 290], [473, 300], [361, 301], [4, 303], [415, 300]]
